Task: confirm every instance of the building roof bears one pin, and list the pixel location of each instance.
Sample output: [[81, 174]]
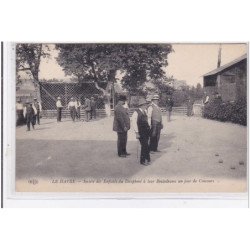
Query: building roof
[[218, 70]]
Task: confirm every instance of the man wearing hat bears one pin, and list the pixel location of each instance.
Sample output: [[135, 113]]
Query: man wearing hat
[[87, 107], [121, 125], [93, 108], [29, 113], [142, 130], [72, 108], [19, 112], [169, 107], [37, 105], [78, 109], [59, 108], [155, 120]]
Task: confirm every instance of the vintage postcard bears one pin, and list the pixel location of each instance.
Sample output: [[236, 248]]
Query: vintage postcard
[[129, 118]]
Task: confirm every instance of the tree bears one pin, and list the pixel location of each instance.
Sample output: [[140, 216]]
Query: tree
[[93, 64], [98, 64], [144, 62], [28, 58]]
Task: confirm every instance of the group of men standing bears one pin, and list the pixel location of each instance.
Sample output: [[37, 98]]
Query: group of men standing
[[146, 122], [28, 113], [74, 106]]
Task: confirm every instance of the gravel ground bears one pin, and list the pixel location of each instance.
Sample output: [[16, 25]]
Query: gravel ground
[[191, 147]]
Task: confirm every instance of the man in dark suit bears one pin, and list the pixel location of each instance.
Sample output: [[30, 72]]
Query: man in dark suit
[[29, 113], [142, 130], [121, 125]]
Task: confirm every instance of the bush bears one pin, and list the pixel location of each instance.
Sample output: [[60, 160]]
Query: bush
[[234, 112]]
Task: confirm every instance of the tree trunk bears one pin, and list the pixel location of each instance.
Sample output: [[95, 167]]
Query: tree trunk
[[37, 90]]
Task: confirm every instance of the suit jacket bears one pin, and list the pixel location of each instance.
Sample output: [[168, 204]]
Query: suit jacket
[[121, 119]]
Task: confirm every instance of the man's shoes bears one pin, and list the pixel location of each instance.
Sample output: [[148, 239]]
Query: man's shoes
[[144, 164], [149, 163], [155, 151], [127, 154], [122, 156]]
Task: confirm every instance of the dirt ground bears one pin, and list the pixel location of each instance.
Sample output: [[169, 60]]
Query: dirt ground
[[197, 155]]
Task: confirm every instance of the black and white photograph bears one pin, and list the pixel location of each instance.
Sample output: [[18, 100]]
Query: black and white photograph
[[131, 117]]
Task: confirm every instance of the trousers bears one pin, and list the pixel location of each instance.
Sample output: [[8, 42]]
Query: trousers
[[37, 117], [122, 138], [78, 113], [155, 135], [93, 113], [30, 119], [73, 113], [87, 115], [144, 141], [59, 114]]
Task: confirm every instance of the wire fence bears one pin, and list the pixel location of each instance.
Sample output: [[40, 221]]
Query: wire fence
[[51, 91]]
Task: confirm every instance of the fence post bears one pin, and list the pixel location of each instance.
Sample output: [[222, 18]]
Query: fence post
[[65, 94]]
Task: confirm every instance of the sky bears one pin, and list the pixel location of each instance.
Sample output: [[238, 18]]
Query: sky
[[188, 61]]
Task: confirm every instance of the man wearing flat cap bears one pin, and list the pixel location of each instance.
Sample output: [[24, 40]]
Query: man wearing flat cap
[[142, 130], [155, 120], [121, 125]]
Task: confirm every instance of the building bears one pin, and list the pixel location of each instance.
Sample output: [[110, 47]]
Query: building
[[229, 80], [25, 90]]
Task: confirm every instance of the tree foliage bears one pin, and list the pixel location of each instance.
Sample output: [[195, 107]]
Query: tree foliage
[[100, 63], [28, 58]]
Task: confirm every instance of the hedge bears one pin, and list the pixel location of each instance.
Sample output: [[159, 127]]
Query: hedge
[[235, 112]]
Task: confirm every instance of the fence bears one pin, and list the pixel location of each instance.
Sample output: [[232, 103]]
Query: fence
[[100, 113], [50, 92]]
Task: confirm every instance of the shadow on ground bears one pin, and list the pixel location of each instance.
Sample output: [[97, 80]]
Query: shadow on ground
[[78, 159]]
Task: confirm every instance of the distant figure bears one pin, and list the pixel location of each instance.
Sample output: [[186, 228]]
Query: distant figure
[[72, 108], [155, 120], [217, 96], [78, 109], [205, 98], [107, 105], [93, 108], [87, 107], [37, 105], [19, 112], [59, 108], [189, 107], [29, 113], [121, 125], [142, 130], [169, 107]]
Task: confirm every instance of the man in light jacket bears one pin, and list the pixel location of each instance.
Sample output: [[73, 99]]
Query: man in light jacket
[[155, 120], [59, 108]]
